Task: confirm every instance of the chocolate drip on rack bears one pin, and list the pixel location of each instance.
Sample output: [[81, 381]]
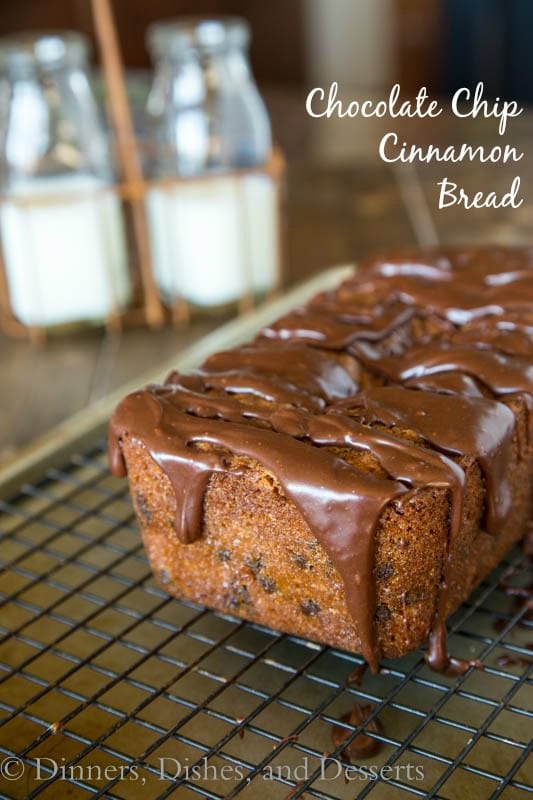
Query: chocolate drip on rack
[[362, 746]]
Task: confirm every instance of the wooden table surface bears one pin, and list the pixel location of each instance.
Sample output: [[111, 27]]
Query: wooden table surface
[[342, 203]]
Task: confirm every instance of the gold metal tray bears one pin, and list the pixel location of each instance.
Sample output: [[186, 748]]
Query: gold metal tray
[[109, 688]]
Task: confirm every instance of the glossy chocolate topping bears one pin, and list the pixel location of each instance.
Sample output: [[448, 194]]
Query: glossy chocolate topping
[[456, 288], [501, 374], [480, 426], [303, 377], [461, 285], [331, 326], [448, 333], [510, 334]]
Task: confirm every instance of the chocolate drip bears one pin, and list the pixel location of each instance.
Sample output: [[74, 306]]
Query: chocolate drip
[[355, 678], [480, 427], [437, 656], [291, 396], [362, 746]]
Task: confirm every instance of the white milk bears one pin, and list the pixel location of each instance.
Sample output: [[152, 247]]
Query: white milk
[[213, 239], [65, 259]]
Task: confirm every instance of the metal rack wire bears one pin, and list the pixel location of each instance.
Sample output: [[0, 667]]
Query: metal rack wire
[[103, 676]]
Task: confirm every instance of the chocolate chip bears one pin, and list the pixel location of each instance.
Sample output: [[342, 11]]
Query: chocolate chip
[[385, 571], [382, 613], [239, 597], [310, 608], [142, 507], [223, 555], [267, 584], [255, 565], [300, 561], [412, 596]]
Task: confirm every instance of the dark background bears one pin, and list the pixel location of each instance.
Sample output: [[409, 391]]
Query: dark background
[[441, 43], [278, 42]]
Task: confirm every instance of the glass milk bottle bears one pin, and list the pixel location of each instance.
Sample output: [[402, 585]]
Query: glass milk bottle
[[61, 225], [214, 224]]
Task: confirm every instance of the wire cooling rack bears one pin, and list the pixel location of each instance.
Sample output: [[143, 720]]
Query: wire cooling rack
[[110, 688], [101, 670]]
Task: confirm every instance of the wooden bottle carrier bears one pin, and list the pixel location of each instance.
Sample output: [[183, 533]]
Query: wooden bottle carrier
[[147, 308]]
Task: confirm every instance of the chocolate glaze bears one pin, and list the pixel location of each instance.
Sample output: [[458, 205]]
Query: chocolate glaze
[[460, 285], [341, 504], [501, 374], [510, 334], [480, 426], [457, 287], [302, 377], [334, 328], [362, 746], [291, 396]]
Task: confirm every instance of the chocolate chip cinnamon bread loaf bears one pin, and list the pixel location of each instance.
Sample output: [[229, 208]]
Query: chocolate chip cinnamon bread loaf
[[353, 473]]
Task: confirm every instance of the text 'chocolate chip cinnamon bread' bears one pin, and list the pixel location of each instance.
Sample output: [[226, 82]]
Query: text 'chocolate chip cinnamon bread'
[[354, 472]]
